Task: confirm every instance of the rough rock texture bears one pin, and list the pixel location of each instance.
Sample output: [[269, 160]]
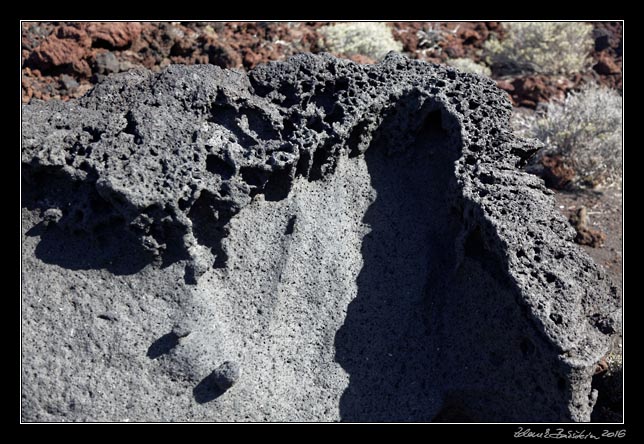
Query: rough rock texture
[[226, 375], [358, 239]]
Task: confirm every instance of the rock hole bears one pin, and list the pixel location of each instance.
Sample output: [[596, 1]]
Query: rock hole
[[209, 220], [219, 167], [304, 164], [341, 84], [226, 115], [260, 89], [290, 225], [288, 128], [603, 324], [315, 123], [131, 128], [278, 185], [487, 179], [253, 176], [556, 318], [291, 96], [183, 204], [336, 114], [260, 124], [306, 86], [320, 158], [96, 134], [356, 142]]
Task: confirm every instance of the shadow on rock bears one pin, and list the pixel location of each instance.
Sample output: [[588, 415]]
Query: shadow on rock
[[87, 235], [113, 248], [163, 345], [384, 344], [435, 333], [207, 390]]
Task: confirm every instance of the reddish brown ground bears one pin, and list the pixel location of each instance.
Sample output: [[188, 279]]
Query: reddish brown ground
[[604, 211], [62, 60]]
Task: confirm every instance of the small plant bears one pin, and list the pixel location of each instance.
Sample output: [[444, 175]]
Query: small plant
[[371, 39], [552, 48], [469, 65], [585, 130], [430, 38]]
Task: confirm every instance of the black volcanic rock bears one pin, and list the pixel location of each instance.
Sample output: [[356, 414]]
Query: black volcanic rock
[[360, 239]]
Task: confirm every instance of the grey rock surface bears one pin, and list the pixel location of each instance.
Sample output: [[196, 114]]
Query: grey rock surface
[[226, 375], [358, 239]]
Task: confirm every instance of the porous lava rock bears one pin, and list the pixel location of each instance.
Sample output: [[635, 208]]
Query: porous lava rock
[[359, 239]]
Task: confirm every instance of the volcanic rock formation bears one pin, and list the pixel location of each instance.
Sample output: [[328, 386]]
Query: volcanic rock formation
[[347, 242]]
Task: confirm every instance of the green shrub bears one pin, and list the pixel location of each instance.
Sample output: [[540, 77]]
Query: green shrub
[[372, 39], [553, 48], [585, 130], [469, 65]]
